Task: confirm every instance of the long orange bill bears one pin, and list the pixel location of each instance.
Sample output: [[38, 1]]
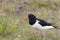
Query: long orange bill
[[26, 19]]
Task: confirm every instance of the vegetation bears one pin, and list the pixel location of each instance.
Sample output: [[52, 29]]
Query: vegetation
[[13, 26]]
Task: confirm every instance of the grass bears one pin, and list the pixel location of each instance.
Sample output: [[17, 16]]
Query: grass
[[24, 31], [13, 26]]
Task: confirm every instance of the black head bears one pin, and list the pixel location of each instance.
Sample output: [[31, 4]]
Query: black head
[[31, 16], [32, 19]]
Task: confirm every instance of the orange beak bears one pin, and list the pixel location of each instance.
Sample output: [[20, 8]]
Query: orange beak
[[26, 19]]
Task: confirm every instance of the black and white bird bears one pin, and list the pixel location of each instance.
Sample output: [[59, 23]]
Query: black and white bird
[[38, 23]]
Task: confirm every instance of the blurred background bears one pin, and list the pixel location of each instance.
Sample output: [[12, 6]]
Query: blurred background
[[13, 12]]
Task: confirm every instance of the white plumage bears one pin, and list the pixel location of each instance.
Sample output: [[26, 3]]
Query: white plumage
[[40, 27]]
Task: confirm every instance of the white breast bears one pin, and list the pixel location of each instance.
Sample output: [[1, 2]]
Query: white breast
[[40, 27]]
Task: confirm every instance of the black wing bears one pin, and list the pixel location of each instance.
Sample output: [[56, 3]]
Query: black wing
[[44, 23]]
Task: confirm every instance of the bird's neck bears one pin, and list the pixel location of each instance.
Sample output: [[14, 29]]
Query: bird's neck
[[32, 21]]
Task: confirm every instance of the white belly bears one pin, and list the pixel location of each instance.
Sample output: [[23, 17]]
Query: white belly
[[40, 27]]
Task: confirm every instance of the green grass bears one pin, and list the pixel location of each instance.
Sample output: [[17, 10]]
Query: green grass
[[24, 32], [14, 27]]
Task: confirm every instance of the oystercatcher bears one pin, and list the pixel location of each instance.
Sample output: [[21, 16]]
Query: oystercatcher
[[39, 23]]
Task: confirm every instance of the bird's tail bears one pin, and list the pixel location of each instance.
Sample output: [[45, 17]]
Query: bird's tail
[[56, 27]]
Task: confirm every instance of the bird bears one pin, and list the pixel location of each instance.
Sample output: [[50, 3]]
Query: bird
[[39, 24]]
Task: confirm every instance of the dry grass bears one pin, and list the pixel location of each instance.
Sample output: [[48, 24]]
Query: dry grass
[[15, 12]]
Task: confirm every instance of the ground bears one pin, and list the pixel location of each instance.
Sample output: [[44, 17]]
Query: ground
[[14, 27]]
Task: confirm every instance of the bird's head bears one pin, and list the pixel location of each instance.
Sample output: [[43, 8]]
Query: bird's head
[[30, 17]]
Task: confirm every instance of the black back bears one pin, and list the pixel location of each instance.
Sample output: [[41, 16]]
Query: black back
[[32, 20], [44, 23]]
